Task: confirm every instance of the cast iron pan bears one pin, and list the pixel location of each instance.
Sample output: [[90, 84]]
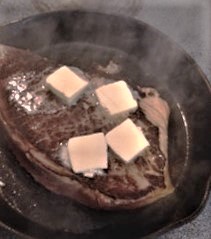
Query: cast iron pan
[[148, 58]]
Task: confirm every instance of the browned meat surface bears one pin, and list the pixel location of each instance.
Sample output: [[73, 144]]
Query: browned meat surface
[[40, 125]]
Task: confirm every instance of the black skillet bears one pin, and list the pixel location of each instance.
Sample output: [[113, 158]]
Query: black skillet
[[147, 58]]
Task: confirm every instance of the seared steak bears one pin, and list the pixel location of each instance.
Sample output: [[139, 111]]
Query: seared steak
[[38, 125]]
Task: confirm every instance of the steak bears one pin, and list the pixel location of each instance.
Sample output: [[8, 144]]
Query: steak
[[37, 127]]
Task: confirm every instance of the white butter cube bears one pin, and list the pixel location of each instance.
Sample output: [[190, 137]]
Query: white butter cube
[[127, 140], [67, 85], [116, 98], [88, 152]]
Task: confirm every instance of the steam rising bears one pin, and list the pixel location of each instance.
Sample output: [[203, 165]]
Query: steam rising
[[158, 60], [159, 63], [187, 22]]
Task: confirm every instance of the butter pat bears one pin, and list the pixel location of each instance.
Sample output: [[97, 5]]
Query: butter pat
[[116, 98], [88, 152], [67, 85], [93, 172], [127, 141]]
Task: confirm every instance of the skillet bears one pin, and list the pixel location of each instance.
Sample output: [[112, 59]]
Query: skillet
[[148, 58]]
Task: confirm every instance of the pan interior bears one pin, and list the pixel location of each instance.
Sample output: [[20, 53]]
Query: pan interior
[[59, 213]]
